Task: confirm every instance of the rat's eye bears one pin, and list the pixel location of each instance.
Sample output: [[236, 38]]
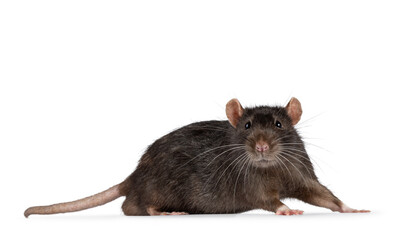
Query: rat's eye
[[248, 125], [278, 124]]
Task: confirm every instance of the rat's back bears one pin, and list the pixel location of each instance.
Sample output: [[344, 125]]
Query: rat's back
[[189, 142]]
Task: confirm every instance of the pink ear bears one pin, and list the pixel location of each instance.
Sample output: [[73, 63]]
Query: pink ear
[[294, 110], [234, 111]]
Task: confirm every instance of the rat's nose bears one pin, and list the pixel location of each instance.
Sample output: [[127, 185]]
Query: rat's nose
[[262, 146]]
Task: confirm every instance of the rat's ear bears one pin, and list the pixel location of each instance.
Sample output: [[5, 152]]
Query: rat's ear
[[234, 111], [294, 110]]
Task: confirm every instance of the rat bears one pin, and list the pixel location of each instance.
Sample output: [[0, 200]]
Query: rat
[[252, 161]]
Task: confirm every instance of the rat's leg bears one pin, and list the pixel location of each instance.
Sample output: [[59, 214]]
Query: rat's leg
[[319, 195], [274, 204], [130, 207]]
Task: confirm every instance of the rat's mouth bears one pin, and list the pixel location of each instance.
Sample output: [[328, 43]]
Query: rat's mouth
[[263, 159], [266, 158], [264, 162]]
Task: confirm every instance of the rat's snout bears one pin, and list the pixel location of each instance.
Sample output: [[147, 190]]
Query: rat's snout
[[262, 146]]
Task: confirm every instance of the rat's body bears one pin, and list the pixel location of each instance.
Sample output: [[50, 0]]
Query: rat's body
[[251, 162]]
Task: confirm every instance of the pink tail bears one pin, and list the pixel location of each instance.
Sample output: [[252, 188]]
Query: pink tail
[[81, 204]]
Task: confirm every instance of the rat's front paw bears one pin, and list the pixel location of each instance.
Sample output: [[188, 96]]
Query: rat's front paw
[[289, 212]]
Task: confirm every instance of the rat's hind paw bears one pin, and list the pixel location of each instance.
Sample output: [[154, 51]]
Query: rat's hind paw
[[346, 209], [153, 212], [355, 211], [173, 213]]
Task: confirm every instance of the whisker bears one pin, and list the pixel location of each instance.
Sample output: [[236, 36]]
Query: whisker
[[317, 146], [212, 175], [290, 154], [235, 160], [239, 162], [303, 178], [281, 138], [304, 155], [246, 161], [279, 161], [307, 120], [229, 150], [246, 171], [210, 150], [294, 144]]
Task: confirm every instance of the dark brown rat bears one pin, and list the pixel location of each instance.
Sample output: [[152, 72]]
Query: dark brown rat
[[252, 161]]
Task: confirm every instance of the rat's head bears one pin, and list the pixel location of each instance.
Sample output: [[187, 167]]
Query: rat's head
[[266, 131]]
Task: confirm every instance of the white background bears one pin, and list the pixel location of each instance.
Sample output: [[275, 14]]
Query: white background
[[86, 86]]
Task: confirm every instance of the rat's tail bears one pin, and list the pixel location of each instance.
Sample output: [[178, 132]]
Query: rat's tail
[[81, 204]]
